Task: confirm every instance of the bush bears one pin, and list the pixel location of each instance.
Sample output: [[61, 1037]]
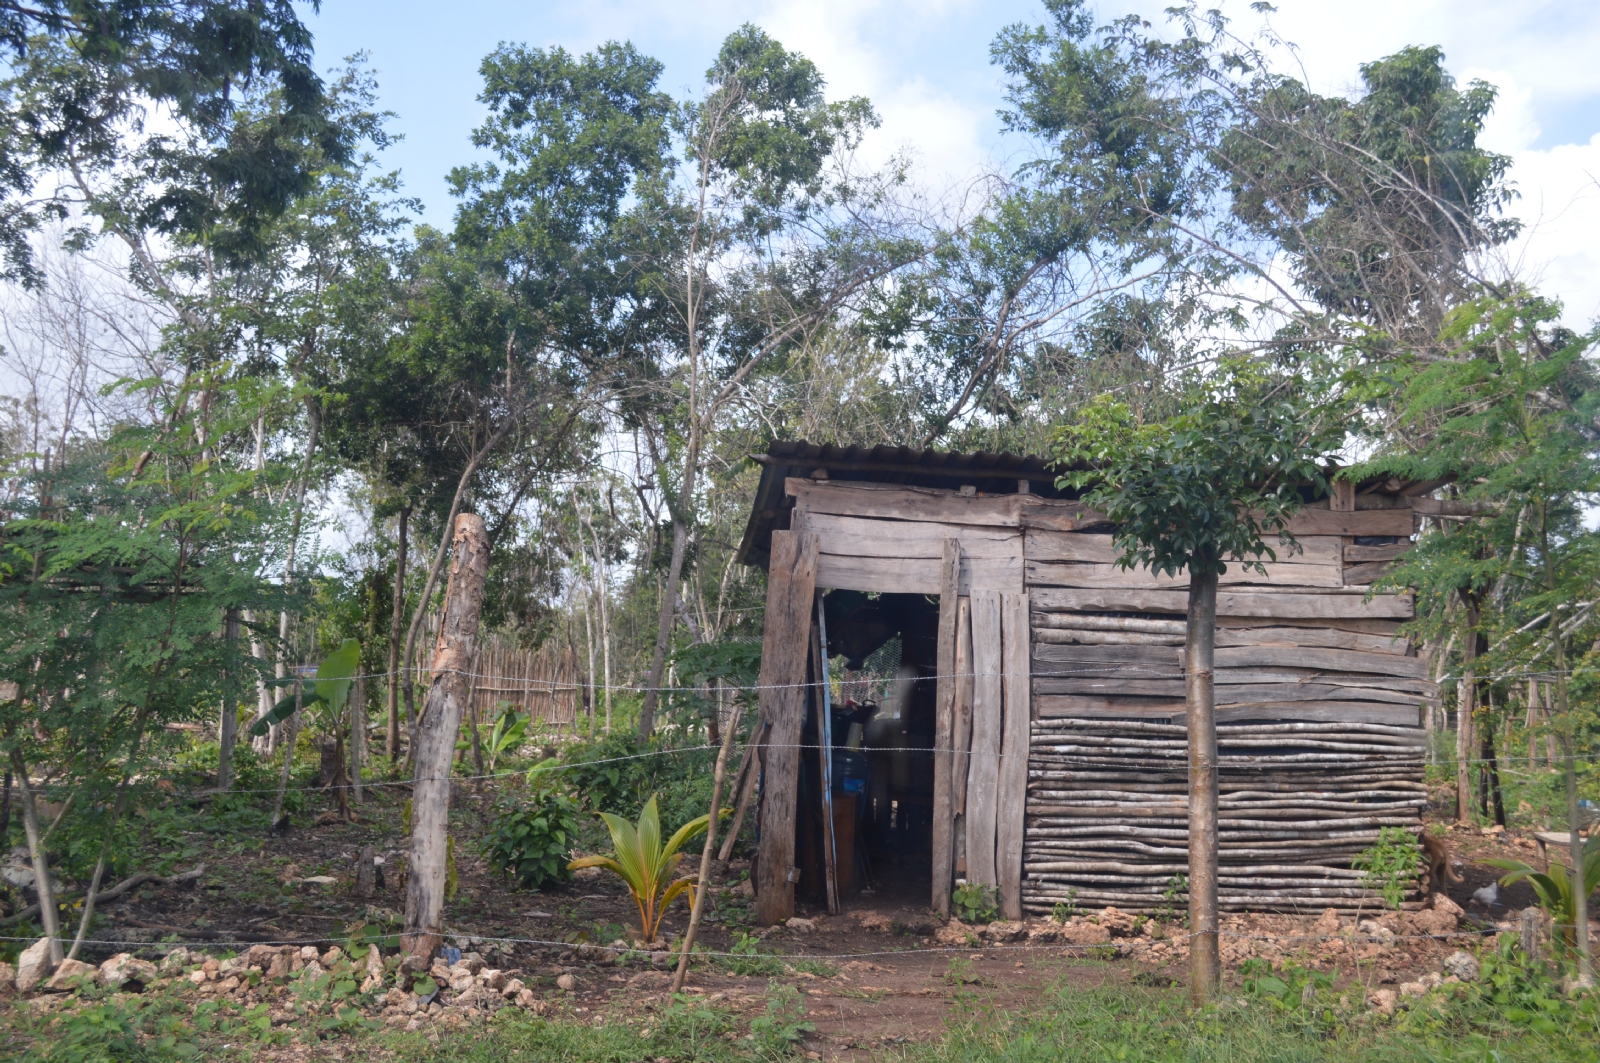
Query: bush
[[620, 772], [532, 838]]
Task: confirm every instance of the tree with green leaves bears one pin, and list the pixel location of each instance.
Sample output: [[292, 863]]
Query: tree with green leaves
[[1510, 419], [1192, 493]]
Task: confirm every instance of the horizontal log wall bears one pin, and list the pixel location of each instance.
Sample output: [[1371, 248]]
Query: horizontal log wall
[[1318, 704]]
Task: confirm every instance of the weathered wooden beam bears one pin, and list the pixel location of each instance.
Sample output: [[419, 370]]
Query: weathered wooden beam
[[983, 777], [1014, 744], [944, 727], [1273, 604], [791, 583]]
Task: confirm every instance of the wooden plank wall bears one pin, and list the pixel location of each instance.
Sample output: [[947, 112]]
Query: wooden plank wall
[[1317, 698]]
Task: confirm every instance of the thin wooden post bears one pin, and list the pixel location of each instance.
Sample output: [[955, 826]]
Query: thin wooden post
[[824, 702], [1466, 709], [449, 691], [791, 582], [392, 694], [1205, 959], [703, 882], [745, 783], [228, 725], [358, 737], [944, 729], [1015, 737], [983, 783]]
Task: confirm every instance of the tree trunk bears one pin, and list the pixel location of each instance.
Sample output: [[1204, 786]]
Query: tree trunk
[[703, 880], [1466, 709], [392, 737], [291, 729], [664, 618], [1494, 803], [228, 726], [358, 736], [1205, 961], [41, 862], [449, 690]]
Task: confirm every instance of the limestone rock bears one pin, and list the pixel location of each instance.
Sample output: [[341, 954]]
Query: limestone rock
[[308, 953], [526, 999], [1383, 1001], [281, 965], [1119, 923], [473, 963], [1085, 934], [512, 989], [34, 966], [493, 978], [1379, 933], [73, 973], [1433, 921], [1442, 903], [802, 925], [125, 967], [332, 956], [8, 979], [1327, 923], [175, 961], [1463, 965], [567, 983], [374, 964], [875, 922]]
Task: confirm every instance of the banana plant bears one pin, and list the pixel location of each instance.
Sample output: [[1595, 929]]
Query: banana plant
[[645, 865], [507, 734], [332, 688], [1554, 887]]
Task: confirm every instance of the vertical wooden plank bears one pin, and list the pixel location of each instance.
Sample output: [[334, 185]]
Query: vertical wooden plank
[[983, 778], [824, 702], [791, 582], [1016, 726], [944, 728], [962, 743]]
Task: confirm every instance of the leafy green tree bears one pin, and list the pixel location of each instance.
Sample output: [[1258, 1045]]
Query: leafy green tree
[[1191, 493], [1510, 418], [116, 575]]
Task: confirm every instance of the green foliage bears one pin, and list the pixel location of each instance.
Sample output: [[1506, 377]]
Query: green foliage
[[332, 689], [645, 864], [783, 1025], [1061, 911], [974, 903], [731, 664], [622, 770], [531, 838], [1289, 988], [1391, 864], [1204, 486], [509, 729], [1554, 887]]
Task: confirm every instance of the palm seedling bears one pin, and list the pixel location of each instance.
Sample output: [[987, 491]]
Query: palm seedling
[[1554, 887], [646, 865]]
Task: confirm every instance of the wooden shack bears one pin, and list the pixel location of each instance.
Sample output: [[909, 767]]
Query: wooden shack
[[1046, 719]]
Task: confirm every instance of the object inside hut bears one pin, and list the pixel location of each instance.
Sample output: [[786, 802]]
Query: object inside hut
[[881, 651]]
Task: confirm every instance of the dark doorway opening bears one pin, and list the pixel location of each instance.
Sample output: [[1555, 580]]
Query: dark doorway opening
[[882, 653]]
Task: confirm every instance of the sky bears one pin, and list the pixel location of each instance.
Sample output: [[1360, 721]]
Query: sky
[[925, 65]]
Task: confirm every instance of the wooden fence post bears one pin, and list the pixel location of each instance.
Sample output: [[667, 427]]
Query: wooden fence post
[[944, 728], [791, 582], [449, 690]]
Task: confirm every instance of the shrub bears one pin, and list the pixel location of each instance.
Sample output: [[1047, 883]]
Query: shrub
[[974, 903], [1391, 865], [623, 770], [532, 837]]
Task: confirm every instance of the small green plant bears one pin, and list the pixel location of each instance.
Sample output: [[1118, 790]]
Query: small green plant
[[1390, 866], [509, 730], [783, 1026], [1554, 887], [747, 958], [531, 838], [1290, 988], [1174, 899], [974, 903], [644, 864]]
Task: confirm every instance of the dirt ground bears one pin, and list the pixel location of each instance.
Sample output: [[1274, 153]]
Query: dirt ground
[[882, 972]]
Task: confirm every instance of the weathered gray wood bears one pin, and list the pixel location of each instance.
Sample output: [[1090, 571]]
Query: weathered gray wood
[[890, 575], [449, 692], [1047, 545], [791, 583], [1146, 659], [1362, 575], [1057, 514], [961, 738], [1333, 660], [1361, 522], [1242, 694], [1082, 574], [1358, 625], [851, 499], [745, 784], [1079, 637], [1049, 706], [1088, 622], [1333, 638], [1015, 730], [944, 727], [1355, 555], [864, 537], [983, 777], [1229, 603]]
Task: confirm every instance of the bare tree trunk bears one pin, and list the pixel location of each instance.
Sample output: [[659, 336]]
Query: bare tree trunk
[[358, 737], [392, 738], [703, 882], [588, 631], [228, 726], [448, 693], [1466, 708], [294, 532], [291, 729], [41, 862], [664, 618], [1205, 960]]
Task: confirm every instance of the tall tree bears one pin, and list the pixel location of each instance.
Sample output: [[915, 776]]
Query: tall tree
[[1192, 493]]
